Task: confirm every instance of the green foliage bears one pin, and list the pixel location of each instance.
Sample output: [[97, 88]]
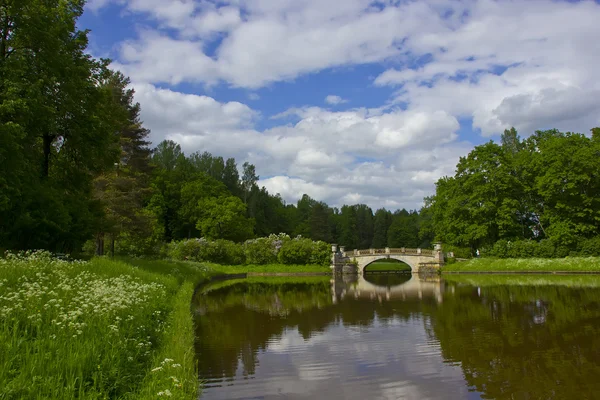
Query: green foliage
[[304, 251], [219, 251], [589, 247], [224, 217], [532, 198], [459, 252], [264, 250]]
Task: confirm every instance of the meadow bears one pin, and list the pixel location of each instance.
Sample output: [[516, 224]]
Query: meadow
[[94, 330]]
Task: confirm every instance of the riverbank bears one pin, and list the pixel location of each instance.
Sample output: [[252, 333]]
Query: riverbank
[[525, 265], [107, 328]]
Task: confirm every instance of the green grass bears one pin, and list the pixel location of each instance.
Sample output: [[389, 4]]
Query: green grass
[[569, 264], [269, 268], [524, 280], [387, 266], [190, 270], [94, 330]]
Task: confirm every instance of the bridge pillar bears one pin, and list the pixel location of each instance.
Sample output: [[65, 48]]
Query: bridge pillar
[[438, 254], [419, 251], [387, 250], [372, 251]]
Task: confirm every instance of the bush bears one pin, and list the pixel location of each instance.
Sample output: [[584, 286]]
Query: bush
[[219, 251], [544, 249], [264, 250], [459, 252], [589, 247], [222, 251], [304, 251], [269, 250], [186, 249], [500, 249]]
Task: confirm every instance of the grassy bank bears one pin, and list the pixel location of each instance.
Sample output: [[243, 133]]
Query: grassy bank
[[569, 264], [98, 329], [524, 280]]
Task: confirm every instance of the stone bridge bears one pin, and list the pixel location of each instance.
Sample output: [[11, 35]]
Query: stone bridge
[[414, 258]]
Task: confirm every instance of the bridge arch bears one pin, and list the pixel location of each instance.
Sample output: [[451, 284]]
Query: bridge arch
[[387, 265], [411, 261]]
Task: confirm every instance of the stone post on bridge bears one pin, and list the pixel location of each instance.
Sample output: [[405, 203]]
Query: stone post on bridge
[[438, 254]]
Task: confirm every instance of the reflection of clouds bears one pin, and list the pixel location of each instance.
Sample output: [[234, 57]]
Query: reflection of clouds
[[400, 390], [393, 359]]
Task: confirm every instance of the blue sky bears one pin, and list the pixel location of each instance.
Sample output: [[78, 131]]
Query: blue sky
[[353, 101]]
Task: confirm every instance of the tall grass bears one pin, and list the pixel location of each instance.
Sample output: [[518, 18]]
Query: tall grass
[[90, 330]]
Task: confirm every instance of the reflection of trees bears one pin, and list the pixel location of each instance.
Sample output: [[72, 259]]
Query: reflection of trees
[[523, 342], [236, 322]]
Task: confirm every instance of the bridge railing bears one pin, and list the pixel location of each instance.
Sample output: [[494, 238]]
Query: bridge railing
[[402, 250]]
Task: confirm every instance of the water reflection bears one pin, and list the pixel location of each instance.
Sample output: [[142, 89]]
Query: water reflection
[[387, 286], [399, 337]]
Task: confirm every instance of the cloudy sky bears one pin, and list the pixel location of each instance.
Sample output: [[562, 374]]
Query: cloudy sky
[[352, 101]]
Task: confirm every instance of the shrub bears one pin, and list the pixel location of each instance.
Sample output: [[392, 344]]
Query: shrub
[[296, 251], [589, 247], [544, 249], [304, 251], [218, 251], [459, 252], [222, 251], [321, 253], [500, 249], [264, 250], [186, 249]]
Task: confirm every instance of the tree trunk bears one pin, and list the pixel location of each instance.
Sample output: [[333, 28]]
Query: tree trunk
[[100, 244]]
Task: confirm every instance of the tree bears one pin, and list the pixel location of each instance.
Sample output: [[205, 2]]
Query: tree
[[404, 230], [124, 190], [224, 218], [56, 134], [319, 222], [381, 224], [348, 227], [364, 225], [249, 179], [194, 192]]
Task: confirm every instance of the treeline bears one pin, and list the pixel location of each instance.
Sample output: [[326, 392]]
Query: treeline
[[202, 195], [538, 197], [77, 170]]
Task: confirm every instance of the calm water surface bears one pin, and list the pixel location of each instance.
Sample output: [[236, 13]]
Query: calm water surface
[[400, 337]]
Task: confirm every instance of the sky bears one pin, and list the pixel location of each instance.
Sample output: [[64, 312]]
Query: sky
[[352, 101]]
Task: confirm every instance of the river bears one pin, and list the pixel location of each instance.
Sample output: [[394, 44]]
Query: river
[[400, 337]]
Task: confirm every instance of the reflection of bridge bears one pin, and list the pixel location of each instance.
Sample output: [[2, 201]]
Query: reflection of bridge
[[414, 288], [415, 258]]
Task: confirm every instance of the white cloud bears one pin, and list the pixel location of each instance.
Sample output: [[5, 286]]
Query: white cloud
[[549, 56], [334, 100]]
